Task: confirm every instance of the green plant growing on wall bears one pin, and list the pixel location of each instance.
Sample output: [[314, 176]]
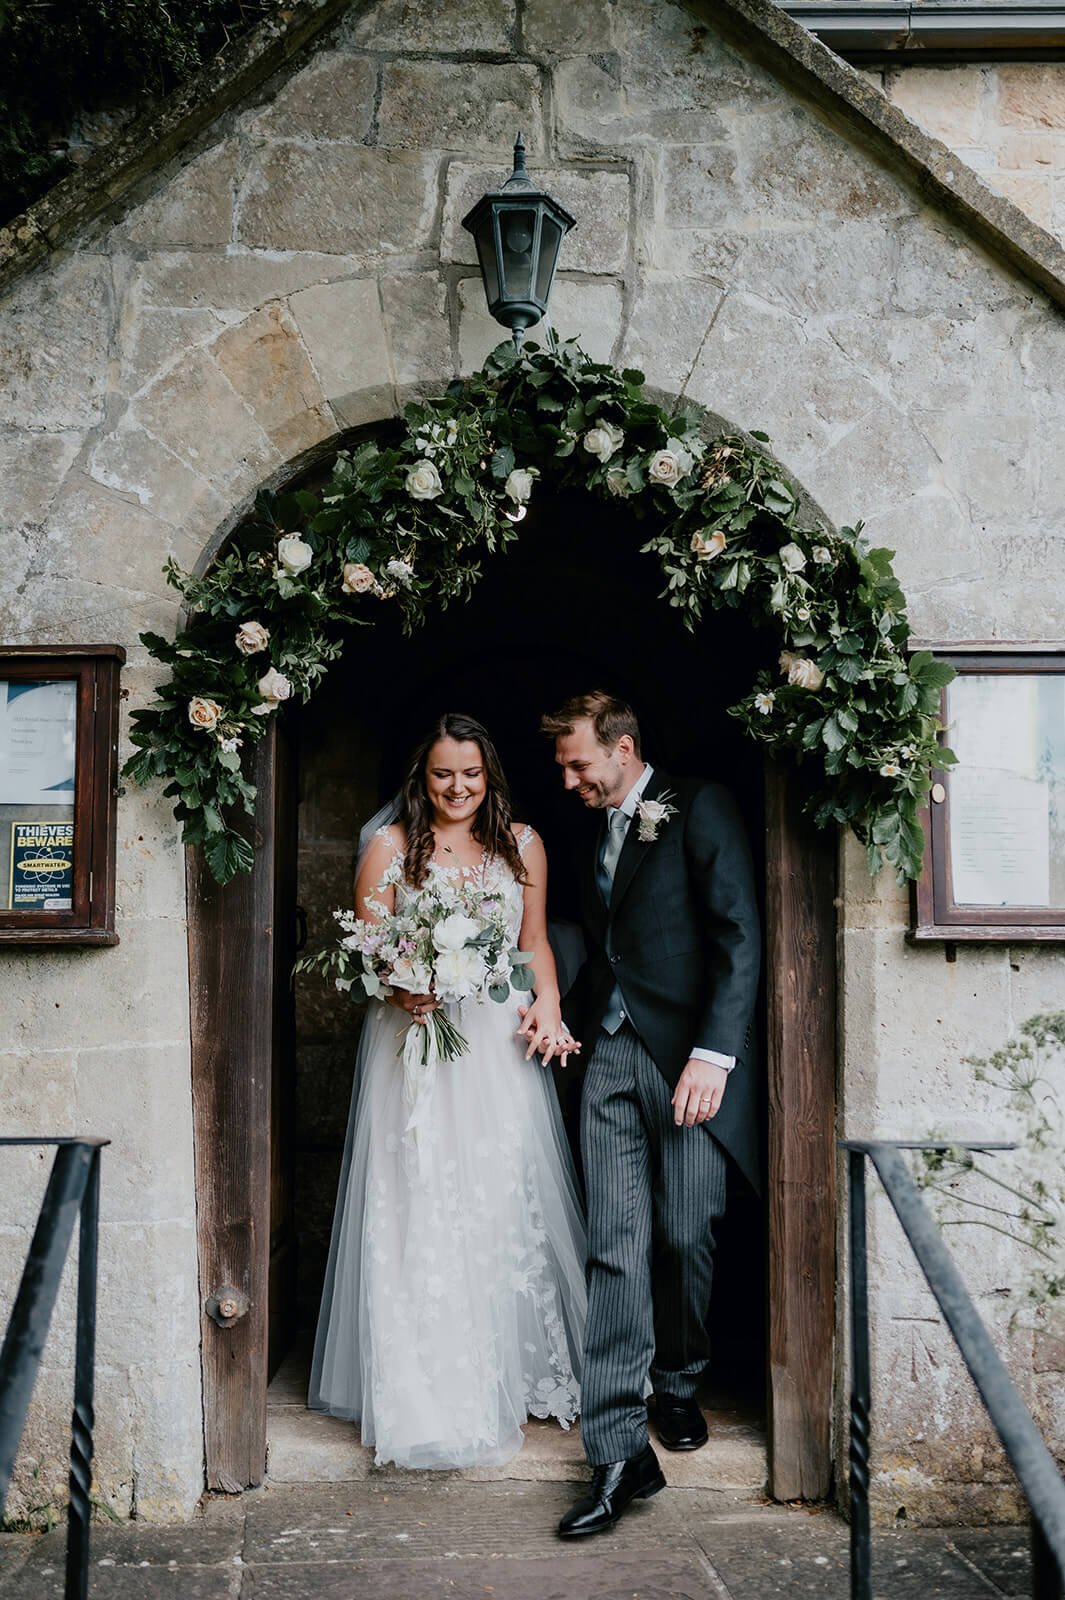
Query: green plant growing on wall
[[408, 524], [1020, 1194], [62, 61]]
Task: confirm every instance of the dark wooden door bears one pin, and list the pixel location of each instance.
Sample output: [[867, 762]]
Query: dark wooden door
[[235, 963], [283, 1259], [801, 1027]]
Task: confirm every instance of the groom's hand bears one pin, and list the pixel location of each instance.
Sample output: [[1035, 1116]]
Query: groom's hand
[[698, 1092]]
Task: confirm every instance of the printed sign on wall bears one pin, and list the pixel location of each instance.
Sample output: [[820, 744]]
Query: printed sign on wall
[[42, 866]]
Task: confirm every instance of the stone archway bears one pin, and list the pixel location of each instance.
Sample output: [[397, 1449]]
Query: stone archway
[[239, 967]]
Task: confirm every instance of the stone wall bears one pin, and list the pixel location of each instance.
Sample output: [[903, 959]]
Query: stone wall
[[1006, 120], [300, 271]]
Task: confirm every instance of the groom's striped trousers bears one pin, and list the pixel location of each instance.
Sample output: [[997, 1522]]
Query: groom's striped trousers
[[654, 1193]]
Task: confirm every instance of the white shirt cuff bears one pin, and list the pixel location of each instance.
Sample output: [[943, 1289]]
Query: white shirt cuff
[[715, 1057]]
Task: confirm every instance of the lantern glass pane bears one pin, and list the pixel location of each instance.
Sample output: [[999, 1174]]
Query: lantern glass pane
[[550, 243], [517, 228], [486, 254]]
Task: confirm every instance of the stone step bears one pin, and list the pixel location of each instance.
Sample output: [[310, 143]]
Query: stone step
[[306, 1447]]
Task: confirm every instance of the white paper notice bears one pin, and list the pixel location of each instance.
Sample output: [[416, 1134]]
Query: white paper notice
[[37, 732], [999, 838]]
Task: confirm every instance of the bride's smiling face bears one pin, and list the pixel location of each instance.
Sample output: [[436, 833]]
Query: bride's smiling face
[[455, 779]]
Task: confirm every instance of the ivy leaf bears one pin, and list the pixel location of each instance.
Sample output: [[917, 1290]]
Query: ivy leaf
[[226, 854], [502, 463]]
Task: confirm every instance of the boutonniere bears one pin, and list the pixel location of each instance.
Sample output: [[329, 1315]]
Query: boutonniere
[[652, 814]]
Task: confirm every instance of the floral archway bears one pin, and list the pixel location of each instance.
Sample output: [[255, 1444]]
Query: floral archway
[[409, 524]]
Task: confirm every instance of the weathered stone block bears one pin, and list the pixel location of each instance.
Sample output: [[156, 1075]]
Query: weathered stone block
[[599, 200], [195, 207], [434, 25], [342, 199], [1031, 191], [698, 186], [32, 467], [558, 28], [332, 98], [153, 339], [138, 1097], [100, 535], [133, 463], [1031, 95], [419, 332], [595, 116], [238, 281], [342, 326], [464, 106], [669, 320], [196, 412], [989, 461], [134, 991], [266, 363], [948, 102], [1037, 149], [54, 335], [588, 311]]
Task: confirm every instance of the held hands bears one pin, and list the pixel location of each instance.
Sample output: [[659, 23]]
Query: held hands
[[697, 1096], [542, 1026]]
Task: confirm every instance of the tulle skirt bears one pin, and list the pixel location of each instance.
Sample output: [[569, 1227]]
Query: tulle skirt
[[454, 1302]]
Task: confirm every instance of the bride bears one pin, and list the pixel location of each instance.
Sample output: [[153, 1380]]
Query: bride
[[454, 1300]]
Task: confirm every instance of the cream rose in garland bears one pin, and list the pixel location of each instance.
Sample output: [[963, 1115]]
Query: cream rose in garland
[[274, 688], [423, 481], [203, 713], [252, 637], [294, 555]]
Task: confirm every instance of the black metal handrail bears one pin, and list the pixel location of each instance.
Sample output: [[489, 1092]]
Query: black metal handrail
[[73, 1192], [1040, 1481]]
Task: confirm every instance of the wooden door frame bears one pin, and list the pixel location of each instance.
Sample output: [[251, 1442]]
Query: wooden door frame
[[234, 968]]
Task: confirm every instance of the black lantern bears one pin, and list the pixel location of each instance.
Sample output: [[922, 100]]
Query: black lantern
[[518, 232]]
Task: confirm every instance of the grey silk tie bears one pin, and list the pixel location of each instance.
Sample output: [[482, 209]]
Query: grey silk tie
[[617, 826]]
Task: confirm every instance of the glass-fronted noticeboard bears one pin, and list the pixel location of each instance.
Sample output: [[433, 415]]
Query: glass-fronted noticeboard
[[58, 784], [995, 825]]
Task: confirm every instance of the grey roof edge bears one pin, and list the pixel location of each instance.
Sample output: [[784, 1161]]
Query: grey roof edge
[[797, 57], [106, 183], [902, 32]]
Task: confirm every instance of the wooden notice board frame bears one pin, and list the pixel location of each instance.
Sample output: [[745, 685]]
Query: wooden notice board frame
[[94, 670], [936, 915]]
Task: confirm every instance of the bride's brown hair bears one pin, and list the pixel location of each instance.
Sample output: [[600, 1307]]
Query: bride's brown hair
[[491, 825]]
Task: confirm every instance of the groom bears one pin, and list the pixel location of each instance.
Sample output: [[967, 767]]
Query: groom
[[664, 1006]]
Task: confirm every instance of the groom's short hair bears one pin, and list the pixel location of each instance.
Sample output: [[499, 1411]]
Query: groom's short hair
[[609, 716]]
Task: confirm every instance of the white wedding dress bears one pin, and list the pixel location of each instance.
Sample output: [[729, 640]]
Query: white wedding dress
[[454, 1301]]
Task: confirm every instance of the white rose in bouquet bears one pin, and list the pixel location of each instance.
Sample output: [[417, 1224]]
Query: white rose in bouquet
[[413, 976], [706, 548], [455, 931], [603, 440], [294, 555], [791, 558], [460, 973], [423, 481], [251, 638], [519, 485]]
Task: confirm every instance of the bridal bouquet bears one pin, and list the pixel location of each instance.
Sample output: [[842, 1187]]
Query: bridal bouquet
[[450, 940]]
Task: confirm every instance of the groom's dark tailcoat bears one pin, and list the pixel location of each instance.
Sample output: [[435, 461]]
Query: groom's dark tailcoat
[[681, 939]]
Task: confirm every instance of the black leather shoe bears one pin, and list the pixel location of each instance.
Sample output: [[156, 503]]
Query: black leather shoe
[[680, 1424], [613, 1487]]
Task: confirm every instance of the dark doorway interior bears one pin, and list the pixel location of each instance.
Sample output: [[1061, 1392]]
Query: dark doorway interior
[[571, 605]]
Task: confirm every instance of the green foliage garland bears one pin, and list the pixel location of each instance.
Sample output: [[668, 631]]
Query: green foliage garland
[[408, 524]]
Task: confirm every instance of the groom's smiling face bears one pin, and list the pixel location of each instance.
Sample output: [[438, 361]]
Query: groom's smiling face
[[601, 776]]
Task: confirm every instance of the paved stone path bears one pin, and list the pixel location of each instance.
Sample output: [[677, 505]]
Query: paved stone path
[[419, 1538]]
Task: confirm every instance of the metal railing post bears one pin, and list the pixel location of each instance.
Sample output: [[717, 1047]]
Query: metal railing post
[[81, 1429], [31, 1314], [861, 1575]]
